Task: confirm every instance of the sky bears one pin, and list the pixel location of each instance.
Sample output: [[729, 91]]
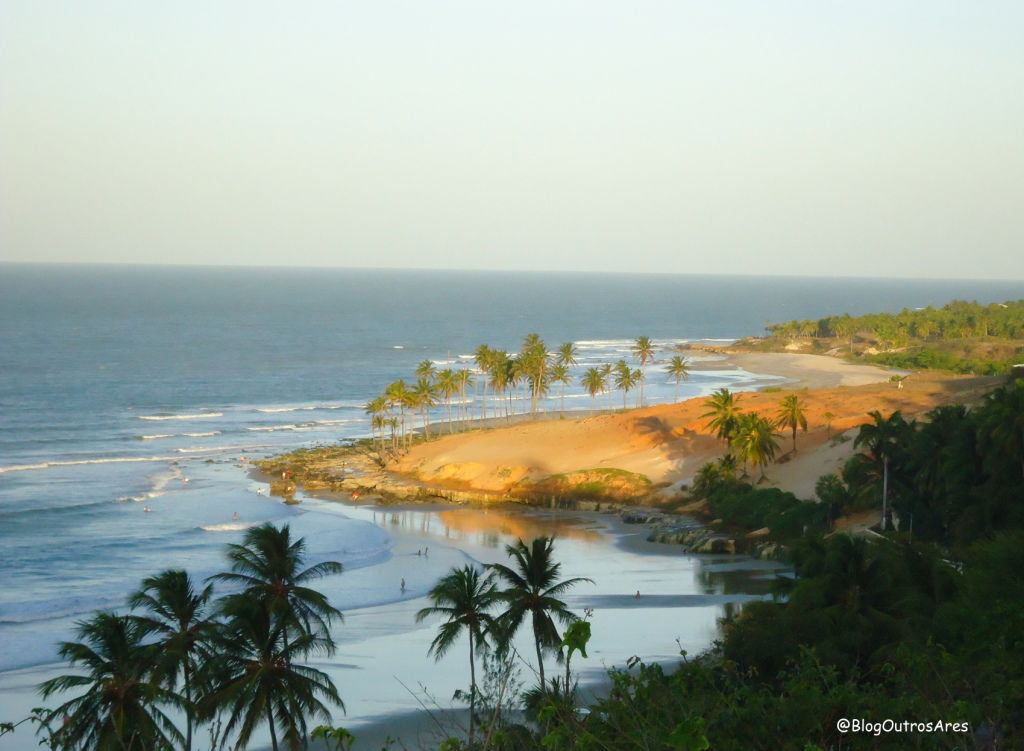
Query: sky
[[869, 138]]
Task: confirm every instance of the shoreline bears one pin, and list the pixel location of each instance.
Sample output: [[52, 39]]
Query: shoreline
[[641, 456]]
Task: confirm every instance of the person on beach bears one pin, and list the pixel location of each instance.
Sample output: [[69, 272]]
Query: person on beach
[[403, 584]]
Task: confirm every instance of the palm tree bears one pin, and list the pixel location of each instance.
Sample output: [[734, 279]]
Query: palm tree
[[463, 597], [260, 680], [639, 377], [679, 370], [829, 417], [882, 437], [593, 382], [177, 616], [532, 590], [791, 415], [465, 380], [425, 369], [269, 566], [1002, 417], [566, 354], [447, 386], [482, 358], [606, 374], [643, 351], [625, 379], [724, 412], [119, 710], [559, 374], [534, 359], [376, 408], [753, 441], [424, 397], [398, 395]]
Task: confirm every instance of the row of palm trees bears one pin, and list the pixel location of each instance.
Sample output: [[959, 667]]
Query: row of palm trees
[[529, 590], [231, 663], [749, 437], [510, 381]]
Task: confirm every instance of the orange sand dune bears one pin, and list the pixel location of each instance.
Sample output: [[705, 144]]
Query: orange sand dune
[[668, 443]]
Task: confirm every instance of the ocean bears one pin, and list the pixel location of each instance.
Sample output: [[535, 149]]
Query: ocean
[[124, 388]]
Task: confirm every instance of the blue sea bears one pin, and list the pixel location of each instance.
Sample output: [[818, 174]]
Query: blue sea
[[124, 388]]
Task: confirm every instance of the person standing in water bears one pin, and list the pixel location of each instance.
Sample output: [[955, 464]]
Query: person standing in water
[[403, 584]]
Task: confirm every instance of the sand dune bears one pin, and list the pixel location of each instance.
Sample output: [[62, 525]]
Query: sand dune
[[668, 443]]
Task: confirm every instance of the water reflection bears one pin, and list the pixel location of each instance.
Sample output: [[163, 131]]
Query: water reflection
[[491, 527]]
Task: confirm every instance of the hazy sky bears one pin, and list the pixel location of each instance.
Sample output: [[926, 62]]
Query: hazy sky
[[819, 137]]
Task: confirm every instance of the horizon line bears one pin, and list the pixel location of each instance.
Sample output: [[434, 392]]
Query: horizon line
[[322, 267]]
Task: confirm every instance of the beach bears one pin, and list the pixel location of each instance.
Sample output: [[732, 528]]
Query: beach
[[381, 667], [667, 443]]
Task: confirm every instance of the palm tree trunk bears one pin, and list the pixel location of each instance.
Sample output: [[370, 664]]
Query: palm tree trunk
[[540, 659], [188, 712], [885, 492], [273, 733], [794, 439], [472, 689]]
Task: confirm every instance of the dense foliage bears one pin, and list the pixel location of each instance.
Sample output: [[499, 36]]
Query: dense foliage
[[964, 337]]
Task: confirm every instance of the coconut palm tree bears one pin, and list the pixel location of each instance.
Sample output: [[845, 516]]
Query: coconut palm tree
[[791, 415], [424, 397], [754, 440], [625, 379], [500, 377], [465, 380], [566, 354], [463, 598], [119, 710], [177, 616], [606, 375], [593, 382], [398, 395], [882, 437], [532, 589], [679, 370], [638, 378], [260, 679], [533, 356], [482, 358], [447, 387], [426, 370], [559, 374], [643, 351], [829, 417], [268, 565], [376, 408], [724, 411]]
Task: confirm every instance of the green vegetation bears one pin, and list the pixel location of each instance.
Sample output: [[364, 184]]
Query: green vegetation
[[229, 665], [963, 337], [599, 483]]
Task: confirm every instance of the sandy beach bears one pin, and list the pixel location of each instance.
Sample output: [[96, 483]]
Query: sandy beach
[[668, 443]]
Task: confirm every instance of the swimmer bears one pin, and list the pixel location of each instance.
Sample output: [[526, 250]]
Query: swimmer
[[638, 594], [147, 509], [184, 480]]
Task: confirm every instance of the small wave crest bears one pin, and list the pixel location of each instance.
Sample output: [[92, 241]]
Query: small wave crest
[[228, 527], [78, 462], [273, 428], [179, 435], [199, 416]]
